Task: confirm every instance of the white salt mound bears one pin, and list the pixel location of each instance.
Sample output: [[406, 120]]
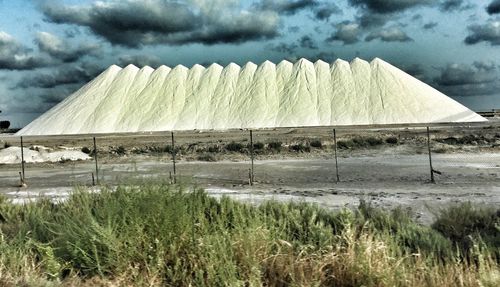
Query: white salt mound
[[269, 95], [12, 155]]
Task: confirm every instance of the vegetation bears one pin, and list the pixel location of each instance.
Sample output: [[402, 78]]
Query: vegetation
[[234, 146], [392, 140], [160, 235], [86, 150], [316, 143], [359, 142], [275, 146]]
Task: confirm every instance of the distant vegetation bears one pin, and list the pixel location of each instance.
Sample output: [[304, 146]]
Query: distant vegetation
[[4, 125], [160, 235]]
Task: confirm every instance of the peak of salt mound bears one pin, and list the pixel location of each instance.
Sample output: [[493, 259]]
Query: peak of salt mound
[[147, 68], [232, 66], [320, 63], [131, 67], [197, 67]]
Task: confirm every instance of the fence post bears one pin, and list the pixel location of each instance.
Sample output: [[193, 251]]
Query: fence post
[[22, 161], [173, 157], [251, 157], [335, 149], [430, 156], [96, 165]]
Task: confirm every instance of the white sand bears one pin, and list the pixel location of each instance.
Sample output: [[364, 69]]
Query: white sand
[[269, 95], [12, 155]]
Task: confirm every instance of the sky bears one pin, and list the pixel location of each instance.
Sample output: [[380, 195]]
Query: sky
[[49, 49]]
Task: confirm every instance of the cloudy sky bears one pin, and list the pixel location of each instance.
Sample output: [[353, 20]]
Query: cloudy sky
[[48, 49]]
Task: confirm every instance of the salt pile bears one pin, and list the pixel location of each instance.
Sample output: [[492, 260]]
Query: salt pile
[[269, 95], [12, 155]]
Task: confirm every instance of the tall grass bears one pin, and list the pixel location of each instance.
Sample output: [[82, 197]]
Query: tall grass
[[161, 235]]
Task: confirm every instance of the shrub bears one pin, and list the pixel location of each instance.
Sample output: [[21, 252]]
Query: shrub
[[276, 146], [258, 146], [466, 224], [316, 143], [300, 147], [373, 141], [234, 146], [119, 150], [214, 148], [6, 145], [345, 144], [86, 150], [392, 140]]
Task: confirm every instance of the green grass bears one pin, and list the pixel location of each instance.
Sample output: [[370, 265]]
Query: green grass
[[162, 235]]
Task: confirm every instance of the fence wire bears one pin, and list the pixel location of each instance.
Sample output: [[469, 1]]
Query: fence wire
[[294, 156]]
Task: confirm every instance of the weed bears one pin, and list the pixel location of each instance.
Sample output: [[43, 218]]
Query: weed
[[275, 146], [234, 147], [316, 143], [300, 147], [119, 150], [392, 140]]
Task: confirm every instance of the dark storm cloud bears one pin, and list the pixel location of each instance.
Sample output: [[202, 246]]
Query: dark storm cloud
[[478, 79], [347, 32], [286, 7], [430, 25], [14, 56], [454, 5], [494, 7], [374, 20], [477, 73], [376, 13], [139, 61], [489, 32], [390, 34], [134, 23], [417, 71], [328, 57], [417, 17], [325, 11], [60, 50], [284, 48], [389, 6], [67, 75], [308, 42]]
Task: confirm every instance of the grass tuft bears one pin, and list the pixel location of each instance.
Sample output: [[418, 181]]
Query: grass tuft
[[164, 235]]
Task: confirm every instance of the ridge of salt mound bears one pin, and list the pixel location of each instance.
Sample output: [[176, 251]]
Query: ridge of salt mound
[[252, 96]]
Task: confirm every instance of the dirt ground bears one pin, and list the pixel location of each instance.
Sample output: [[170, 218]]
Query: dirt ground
[[388, 167]]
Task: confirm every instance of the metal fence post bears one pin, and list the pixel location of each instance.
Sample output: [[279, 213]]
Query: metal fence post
[[251, 157], [22, 161], [96, 165], [335, 149], [173, 157], [430, 156]]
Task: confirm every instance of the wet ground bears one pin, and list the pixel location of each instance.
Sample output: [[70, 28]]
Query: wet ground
[[386, 179]]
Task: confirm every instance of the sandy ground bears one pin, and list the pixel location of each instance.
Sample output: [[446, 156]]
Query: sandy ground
[[386, 175]]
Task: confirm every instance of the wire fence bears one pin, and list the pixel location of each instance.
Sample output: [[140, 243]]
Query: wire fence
[[447, 154]]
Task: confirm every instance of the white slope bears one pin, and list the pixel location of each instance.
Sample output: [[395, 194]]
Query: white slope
[[105, 114], [139, 83], [68, 116], [268, 95], [144, 103]]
